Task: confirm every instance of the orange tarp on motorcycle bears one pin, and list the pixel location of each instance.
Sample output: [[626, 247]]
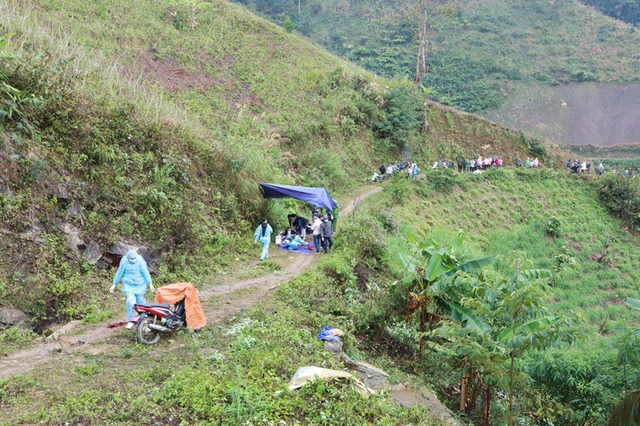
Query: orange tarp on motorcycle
[[173, 293]]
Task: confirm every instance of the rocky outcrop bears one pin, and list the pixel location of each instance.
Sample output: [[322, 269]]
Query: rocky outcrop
[[12, 317]]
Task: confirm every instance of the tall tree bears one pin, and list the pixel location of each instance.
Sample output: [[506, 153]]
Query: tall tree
[[421, 58]]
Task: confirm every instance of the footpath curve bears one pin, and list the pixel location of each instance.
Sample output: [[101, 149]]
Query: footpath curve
[[219, 301]]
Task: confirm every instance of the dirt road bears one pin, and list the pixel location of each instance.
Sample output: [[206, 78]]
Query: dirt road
[[219, 300]]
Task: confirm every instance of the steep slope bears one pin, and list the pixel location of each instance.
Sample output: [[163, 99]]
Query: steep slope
[[153, 134], [509, 213], [474, 47]]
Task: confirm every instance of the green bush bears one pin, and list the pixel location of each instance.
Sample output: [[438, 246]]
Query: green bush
[[402, 116], [496, 174], [324, 168], [441, 180], [528, 174], [553, 227], [14, 337], [621, 195], [367, 238], [399, 189], [584, 382]]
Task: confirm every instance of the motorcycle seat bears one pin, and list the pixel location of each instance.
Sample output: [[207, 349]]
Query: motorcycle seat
[[155, 305]]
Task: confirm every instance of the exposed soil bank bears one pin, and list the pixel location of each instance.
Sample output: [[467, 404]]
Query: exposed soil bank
[[575, 114]]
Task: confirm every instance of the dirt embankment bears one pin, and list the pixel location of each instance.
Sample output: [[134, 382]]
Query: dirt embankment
[[575, 114]]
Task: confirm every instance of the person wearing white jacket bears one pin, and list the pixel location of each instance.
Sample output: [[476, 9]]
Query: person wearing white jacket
[[317, 240]]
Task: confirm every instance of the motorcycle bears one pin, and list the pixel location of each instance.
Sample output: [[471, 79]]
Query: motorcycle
[[376, 178], [157, 318]]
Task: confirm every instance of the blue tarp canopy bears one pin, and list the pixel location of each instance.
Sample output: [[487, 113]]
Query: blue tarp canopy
[[318, 196]]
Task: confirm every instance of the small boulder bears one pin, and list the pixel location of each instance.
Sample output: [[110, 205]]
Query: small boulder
[[12, 317], [74, 242], [92, 252], [74, 212]]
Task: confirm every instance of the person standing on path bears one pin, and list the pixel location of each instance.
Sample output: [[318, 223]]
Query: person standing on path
[[326, 234], [263, 235], [134, 274], [315, 228]]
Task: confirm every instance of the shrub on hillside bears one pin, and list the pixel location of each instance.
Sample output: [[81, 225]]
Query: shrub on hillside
[[441, 180], [496, 174], [528, 175], [535, 147], [621, 195], [399, 188], [367, 238], [553, 227], [324, 168], [402, 116], [584, 383]]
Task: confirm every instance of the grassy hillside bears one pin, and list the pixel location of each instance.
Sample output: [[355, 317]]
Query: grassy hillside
[[508, 213], [240, 372], [475, 48], [154, 134]]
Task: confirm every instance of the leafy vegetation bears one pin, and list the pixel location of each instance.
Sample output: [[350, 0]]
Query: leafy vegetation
[[504, 216], [169, 161], [474, 49], [157, 135], [625, 10], [621, 195]]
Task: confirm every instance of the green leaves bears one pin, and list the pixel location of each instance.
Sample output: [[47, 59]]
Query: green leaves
[[468, 317], [528, 329], [402, 114], [492, 319], [14, 103], [633, 303], [621, 195]]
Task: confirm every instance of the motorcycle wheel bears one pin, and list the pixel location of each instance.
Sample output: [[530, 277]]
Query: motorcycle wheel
[[145, 334]]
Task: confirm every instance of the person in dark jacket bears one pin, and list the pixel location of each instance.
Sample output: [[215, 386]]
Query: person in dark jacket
[[326, 234], [301, 226], [383, 169]]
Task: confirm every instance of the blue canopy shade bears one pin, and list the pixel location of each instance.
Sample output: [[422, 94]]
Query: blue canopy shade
[[318, 196]]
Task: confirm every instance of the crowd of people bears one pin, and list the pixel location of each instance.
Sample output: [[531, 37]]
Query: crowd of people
[[533, 163], [403, 167], [294, 237], [584, 166], [481, 164]]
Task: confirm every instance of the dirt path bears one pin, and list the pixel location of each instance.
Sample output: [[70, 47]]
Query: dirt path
[[219, 301]]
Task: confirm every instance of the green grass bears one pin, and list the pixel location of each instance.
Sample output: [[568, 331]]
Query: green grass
[[508, 216], [238, 374], [159, 136], [480, 46]]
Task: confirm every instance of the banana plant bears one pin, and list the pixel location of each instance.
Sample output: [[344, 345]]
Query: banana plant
[[431, 275], [436, 285], [489, 321], [627, 411]]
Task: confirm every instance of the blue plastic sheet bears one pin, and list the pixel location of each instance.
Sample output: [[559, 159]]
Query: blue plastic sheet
[[318, 196]]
